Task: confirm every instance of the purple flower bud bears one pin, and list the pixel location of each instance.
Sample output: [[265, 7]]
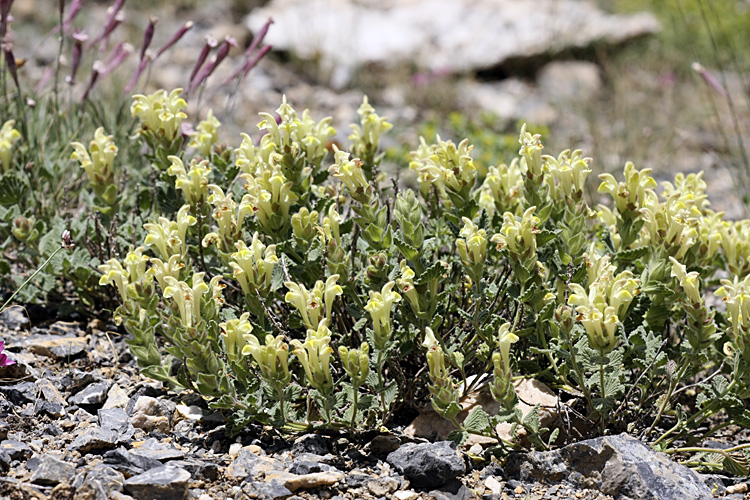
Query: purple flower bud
[[4, 10], [258, 39], [80, 38], [44, 80], [75, 8], [96, 70], [141, 68], [148, 35], [709, 79], [207, 70], [211, 42], [116, 58], [249, 64], [108, 29], [175, 38], [10, 61]]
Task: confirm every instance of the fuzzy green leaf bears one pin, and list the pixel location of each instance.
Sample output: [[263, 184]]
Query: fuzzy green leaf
[[477, 421]]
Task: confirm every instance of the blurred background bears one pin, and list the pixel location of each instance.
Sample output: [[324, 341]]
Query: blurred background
[[662, 83]]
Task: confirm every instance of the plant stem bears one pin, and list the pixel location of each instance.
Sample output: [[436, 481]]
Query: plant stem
[[29, 280]]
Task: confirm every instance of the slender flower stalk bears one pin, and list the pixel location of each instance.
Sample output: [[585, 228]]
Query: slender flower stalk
[[175, 38], [79, 38]]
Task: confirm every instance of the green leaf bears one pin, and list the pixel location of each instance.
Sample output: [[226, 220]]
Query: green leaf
[[458, 437], [478, 421], [632, 254], [531, 421], [12, 189], [277, 276], [545, 236], [433, 272]]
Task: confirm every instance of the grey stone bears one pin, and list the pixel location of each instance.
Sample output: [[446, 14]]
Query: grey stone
[[382, 486], [117, 420], [454, 490], [130, 463], [50, 392], [21, 393], [249, 465], [70, 328], [466, 36], [268, 490], [59, 348], [95, 440], [77, 380], [428, 465], [621, 466], [152, 448], [96, 483], [15, 318], [54, 410], [94, 394], [161, 483], [52, 471], [4, 428], [16, 450], [569, 80], [310, 443]]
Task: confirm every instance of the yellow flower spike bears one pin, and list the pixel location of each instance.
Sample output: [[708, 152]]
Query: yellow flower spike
[[351, 174], [501, 188], [135, 263], [505, 338], [570, 170], [253, 267], [531, 151], [160, 114], [518, 236], [406, 285], [315, 357], [206, 135], [356, 363], [193, 182], [332, 290], [442, 388], [8, 137], [472, 246], [379, 306], [300, 298], [114, 274], [272, 358], [99, 165], [366, 136], [736, 296], [501, 386], [234, 332], [688, 281], [247, 156], [303, 224], [160, 269]]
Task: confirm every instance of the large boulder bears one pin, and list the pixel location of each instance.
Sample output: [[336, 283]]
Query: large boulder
[[439, 35]]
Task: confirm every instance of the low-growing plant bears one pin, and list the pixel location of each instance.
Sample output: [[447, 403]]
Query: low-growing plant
[[295, 287], [100, 189]]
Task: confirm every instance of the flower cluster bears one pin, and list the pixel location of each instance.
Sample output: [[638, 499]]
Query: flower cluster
[[98, 162], [442, 387], [606, 303], [379, 306], [160, 114], [502, 384], [8, 137], [446, 166], [315, 305]]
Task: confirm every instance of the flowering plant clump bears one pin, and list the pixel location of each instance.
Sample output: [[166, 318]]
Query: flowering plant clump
[[304, 291]]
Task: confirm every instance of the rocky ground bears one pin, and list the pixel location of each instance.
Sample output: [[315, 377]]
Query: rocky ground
[[78, 422]]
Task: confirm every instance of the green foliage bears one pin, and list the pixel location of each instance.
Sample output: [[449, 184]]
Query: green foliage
[[316, 303]]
